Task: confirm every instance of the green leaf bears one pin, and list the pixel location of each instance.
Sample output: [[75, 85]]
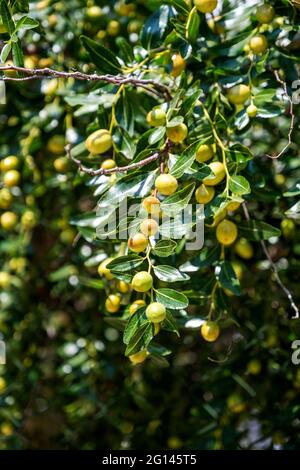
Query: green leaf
[[102, 57], [17, 54], [180, 5], [185, 160], [294, 211], [264, 96], [25, 23], [164, 248], [169, 274], [256, 230], [157, 27], [192, 26], [156, 135], [125, 263], [5, 52], [227, 277], [170, 324], [6, 17], [171, 298], [125, 50], [208, 256], [137, 320], [178, 201], [140, 339], [124, 142], [238, 185]]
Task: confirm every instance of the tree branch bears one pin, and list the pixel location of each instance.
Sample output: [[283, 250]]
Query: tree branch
[[117, 169], [33, 74], [275, 270], [291, 113]]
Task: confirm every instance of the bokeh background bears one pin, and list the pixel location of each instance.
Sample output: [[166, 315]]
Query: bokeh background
[[67, 384]]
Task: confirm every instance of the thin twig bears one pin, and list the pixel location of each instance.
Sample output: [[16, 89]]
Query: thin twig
[[47, 73], [275, 270], [291, 113], [116, 169]]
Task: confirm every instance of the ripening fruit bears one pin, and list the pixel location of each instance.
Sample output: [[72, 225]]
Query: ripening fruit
[[166, 184], [104, 271], [94, 12], [113, 303], [235, 403], [6, 429], [61, 164], [210, 331], [226, 232], [265, 13], [99, 142], [156, 312], [204, 194], [113, 28], [28, 220], [11, 178], [108, 164], [156, 117], [139, 357], [152, 205], [204, 153], [138, 243], [206, 6], [178, 133], [238, 269], [251, 110], [123, 287], [258, 44], [288, 228], [238, 94], [5, 198], [149, 227], [233, 206], [2, 384], [142, 282], [2, 29], [56, 144], [5, 280], [218, 170], [8, 220], [124, 9], [178, 65], [244, 249], [254, 367], [136, 305], [9, 163]]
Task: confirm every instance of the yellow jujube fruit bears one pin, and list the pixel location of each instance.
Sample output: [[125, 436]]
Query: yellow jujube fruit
[[204, 194], [210, 331], [226, 232], [235, 403], [156, 312], [11, 178], [206, 6], [136, 305], [56, 144], [139, 357], [244, 248], [5, 280], [258, 44], [6, 198], [152, 205], [113, 28], [265, 13], [204, 153], [218, 170], [233, 206], [166, 184], [8, 220], [2, 384], [123, 287], [61, 164], [108, 164], [178, 65], [149, 227], [9, 163], [238, 94], [138, 243], [113, 303], [104, 271], [178, 133], [156, 117], [251, 110], [142, 282], [94, 12], [28, 220], [99, 142]]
